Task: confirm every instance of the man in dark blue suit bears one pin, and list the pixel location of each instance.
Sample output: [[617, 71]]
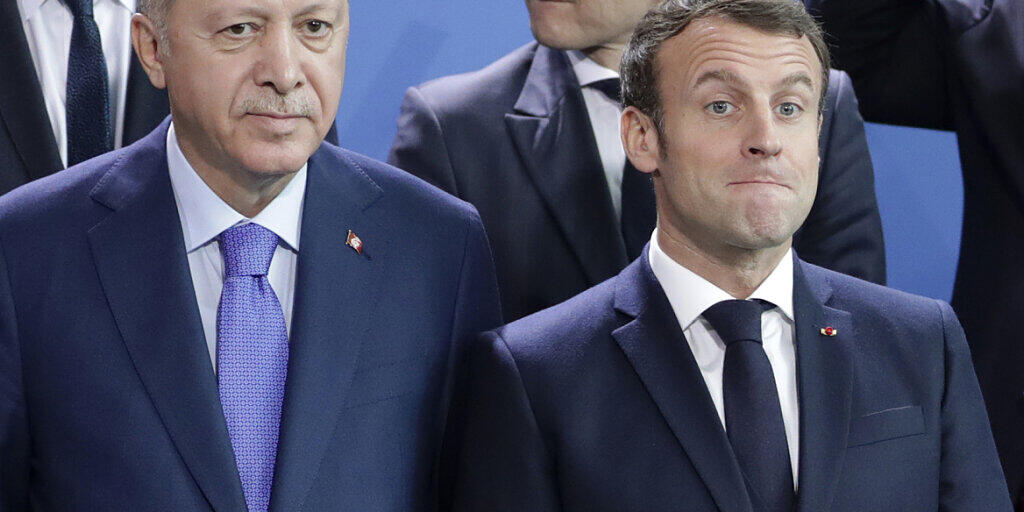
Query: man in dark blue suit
[[532, 141], [231, 314], [959, 65], [29, 148], [719, 372]]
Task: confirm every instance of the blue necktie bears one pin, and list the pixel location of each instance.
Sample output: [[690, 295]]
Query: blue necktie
[[252, 357], [753, 416], [87, 97], [639, 214]]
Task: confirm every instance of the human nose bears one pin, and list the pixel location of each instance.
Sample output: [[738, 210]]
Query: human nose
[[279, 65], [763, 140]]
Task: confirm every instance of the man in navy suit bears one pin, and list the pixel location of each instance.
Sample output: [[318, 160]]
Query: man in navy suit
[[719, 371], [32, 107], [532, 141], [959, 65], [231, 314]]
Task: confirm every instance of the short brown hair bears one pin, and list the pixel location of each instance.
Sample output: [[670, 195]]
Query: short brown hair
[[639, 67]]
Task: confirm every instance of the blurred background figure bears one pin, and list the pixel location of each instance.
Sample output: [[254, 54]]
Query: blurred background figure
[[959, 65], [51, 122], [532, 141]]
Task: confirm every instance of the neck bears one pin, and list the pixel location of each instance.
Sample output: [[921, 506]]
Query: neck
[[607, 55], [247, 192], [735, 270]]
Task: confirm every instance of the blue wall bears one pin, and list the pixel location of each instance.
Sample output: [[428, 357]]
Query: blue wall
[[916, 171]]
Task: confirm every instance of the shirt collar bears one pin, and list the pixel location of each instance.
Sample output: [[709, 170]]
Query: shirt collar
[[588, 71], [690, 295], [204, 215], [29, 7]]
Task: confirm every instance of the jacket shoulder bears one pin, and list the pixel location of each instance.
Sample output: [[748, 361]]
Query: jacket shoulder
[[415, 195], [493, 88], [564, 333]]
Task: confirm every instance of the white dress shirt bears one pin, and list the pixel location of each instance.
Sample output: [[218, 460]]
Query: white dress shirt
[[690, 295], [604, 116], [47, 25], [204, 216]]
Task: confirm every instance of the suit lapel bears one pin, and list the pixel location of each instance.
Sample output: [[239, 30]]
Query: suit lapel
[[22, 108], [552, 132], [140, 257], [825, 385], [335, 295], [655, 346], [145, 106]]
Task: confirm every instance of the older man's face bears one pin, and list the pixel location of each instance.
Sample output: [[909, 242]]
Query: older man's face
[[583, 24], [254, 84], [739, 169]]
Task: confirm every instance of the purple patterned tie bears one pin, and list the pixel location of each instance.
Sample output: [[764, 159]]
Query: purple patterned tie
[[252, 357]]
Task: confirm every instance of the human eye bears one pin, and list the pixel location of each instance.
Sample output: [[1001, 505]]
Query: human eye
[[789, 109], [316, 28], [240, 30], [720, 108]]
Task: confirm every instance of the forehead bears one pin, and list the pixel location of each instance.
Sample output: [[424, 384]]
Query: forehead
[[266, 7], [712, 44]]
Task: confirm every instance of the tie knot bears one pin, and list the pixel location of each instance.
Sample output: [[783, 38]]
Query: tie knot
[[247, 250], [79, 8], [737, 320], [611, 87]]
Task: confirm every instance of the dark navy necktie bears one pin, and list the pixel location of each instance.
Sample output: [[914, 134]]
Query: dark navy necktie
[[87, 95], [753, 416], [639, 214], [252, 357]]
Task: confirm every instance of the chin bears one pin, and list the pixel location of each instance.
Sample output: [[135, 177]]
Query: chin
[[283, 155]]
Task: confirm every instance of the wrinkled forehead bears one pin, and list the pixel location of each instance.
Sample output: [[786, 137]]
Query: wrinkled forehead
[[267, 8], [717, 45]]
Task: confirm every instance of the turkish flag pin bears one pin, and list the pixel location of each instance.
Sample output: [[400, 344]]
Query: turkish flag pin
[[354, 242], [829, 331]]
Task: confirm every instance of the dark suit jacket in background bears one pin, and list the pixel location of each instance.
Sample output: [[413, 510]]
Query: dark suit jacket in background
[[515, 140], [108, 399], [28, 150], [959, 65], [597, 404]]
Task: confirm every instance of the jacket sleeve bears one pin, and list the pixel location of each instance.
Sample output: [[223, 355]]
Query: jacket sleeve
[[14, 437], [970, 477], [843, 231], [895, 50], [419, 146], [477, 309], [504, 463]]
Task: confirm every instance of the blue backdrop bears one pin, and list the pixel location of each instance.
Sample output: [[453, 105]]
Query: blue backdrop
[[917, 175]]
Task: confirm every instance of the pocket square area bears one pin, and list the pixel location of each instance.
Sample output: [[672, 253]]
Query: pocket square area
[[886, 424]]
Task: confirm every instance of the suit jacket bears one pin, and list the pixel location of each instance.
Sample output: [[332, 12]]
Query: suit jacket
[[108, 398], [28, 150], [959, 65], [515, 140], [598, 404]]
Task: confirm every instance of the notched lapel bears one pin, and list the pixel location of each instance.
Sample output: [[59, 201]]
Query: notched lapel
[[140, 257], [551, 130], [336, 292], [824, 376], [657, 349]]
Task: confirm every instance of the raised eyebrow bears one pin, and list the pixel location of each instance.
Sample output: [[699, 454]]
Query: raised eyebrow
[[719, 75], [798, 78]]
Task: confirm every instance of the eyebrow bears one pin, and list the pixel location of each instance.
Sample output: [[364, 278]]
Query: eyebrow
[[726, 76]]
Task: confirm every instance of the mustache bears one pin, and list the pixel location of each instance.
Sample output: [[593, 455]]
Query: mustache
[[290, 105]]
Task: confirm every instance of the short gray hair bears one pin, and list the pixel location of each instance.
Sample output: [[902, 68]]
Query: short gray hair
[[157, 11], [639, 67]]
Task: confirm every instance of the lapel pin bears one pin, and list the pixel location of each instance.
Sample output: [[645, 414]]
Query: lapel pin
[[829, 331], [354, 242]]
